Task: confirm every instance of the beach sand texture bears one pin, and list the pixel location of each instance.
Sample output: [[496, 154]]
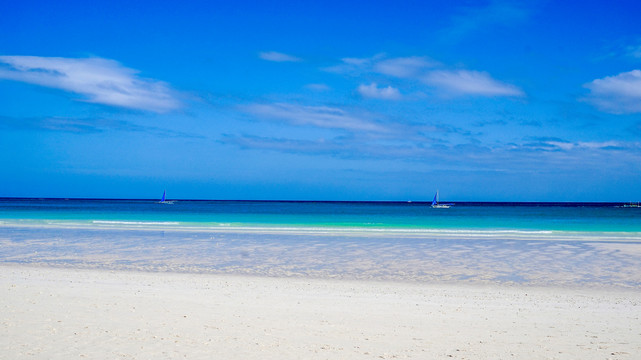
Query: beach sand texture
[[49, 313]]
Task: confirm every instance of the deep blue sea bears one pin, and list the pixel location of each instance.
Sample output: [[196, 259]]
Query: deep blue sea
[[575, 244]]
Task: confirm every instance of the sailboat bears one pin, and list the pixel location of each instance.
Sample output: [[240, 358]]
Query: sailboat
[[437, 205], [163, 200]]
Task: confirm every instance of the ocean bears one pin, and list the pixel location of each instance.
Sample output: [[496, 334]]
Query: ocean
[[560, 244]]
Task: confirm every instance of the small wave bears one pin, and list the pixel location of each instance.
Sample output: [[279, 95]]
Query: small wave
[[515, 234], [108, 222], [356, 231], [385, 230]]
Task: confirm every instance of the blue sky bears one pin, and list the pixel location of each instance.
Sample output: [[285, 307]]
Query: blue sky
[[484, 100]]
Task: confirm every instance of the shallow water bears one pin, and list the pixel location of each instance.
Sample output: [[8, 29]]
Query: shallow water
[[332, 240], [588, 261]]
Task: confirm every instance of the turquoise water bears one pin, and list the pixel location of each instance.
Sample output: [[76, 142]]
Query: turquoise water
[[594, 217], [535, 244]]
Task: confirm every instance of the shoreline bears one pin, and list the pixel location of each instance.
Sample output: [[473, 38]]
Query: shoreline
[[65, 313], [410, 232], [481, 284]]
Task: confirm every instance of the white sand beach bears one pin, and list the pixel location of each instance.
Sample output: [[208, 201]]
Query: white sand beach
[[49, 313]]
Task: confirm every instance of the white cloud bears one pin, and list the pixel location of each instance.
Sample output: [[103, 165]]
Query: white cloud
[[404, 67], [617, 94], [466, 82], [430, 72], [373, 91], [278, 57], [100, 81], [319, 116]]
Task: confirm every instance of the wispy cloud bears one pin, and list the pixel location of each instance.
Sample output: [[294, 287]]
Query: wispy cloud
[[471, 19], [296, 146], [355, 66], [373, 91], [617, 94], [319, 116], [404, 67], [401, 67], [337, 147], [552, 144], [466, 82], [85, 126], [634, 51], [423, 69], [360, 129], [278, 57], [560, 154], [544, 144], [61, 124], [98, 80]]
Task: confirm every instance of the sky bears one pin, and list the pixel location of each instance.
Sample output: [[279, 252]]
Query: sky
[[321, 100]]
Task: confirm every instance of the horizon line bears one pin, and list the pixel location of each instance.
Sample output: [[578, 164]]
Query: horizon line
[[315, 201]]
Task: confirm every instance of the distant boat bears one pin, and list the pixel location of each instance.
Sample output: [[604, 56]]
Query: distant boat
[[163, 200], [631, 205], [437, 205]]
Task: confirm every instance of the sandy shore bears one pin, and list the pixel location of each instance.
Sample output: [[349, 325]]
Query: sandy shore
[[50, 313]]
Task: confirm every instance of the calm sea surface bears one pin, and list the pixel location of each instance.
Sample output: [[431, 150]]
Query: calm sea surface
[[590, 217], [582, 244]]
